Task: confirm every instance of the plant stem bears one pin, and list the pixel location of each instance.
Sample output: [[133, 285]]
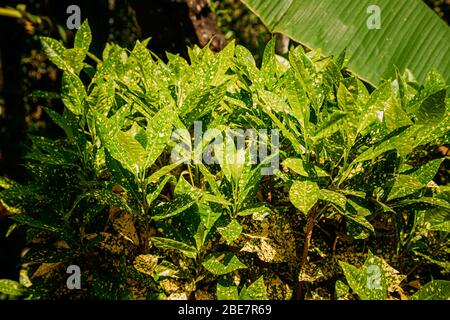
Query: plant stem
[[311, 219]]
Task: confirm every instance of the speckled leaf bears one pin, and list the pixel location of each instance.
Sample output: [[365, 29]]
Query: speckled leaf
[[83, 37], [229, 292], [330, 126], [157, 191], [433, 290], [403, 142], [426, 200], [210, 178], [73, 93], [256, 291], [341, 289], [438, 219], [166, 269], [10, 287], [394, 116], [427, 171], [269, 63], [304, 169], [298, 101], [333, 197], [259, 213], [361, 221], [403, 186], [365, 288], [304, 195], [165, 243], [246, 62], [165, 210], [146, 263], [122, 176], [159, 129], [432, 109], [209, 216], [24, 219], [162, 172], [219, 263], [75, 57], [232, 231], [55, 51], [123, 147]]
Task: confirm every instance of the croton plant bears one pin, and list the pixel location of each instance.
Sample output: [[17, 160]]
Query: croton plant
[[328, 192]]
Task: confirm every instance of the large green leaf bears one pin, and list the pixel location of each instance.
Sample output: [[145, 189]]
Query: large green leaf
[[410, 36]]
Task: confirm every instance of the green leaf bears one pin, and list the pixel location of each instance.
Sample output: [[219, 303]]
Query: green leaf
[[165, 210], [433, 290], [159, 129], [10, 287], [232, 231], [333, 197], [122, 146], [219, 263], [73, 93], [298, 100], [427, 172], [304, 195], [330, 126], [369, 282], [394, 116], [403, 142], [258, 213], [83, 37], [163, 171], [6, 183], [229, 292], [426, 200], [256, 291], [336, 26], [269, 63], [208, 216], [304, 169], [122, 176], [403, 186], [341, 289], [165, 243], [438, 219], [55, 51], [432, 109], [210, 178], [442, 264]]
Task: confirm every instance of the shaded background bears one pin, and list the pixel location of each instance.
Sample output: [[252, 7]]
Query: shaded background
[[173, 25]]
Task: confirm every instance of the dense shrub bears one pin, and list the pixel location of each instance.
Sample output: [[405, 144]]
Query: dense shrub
[[108, 197]]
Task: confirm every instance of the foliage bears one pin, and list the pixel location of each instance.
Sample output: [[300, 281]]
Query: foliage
[[106, 195], [374, 49]]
